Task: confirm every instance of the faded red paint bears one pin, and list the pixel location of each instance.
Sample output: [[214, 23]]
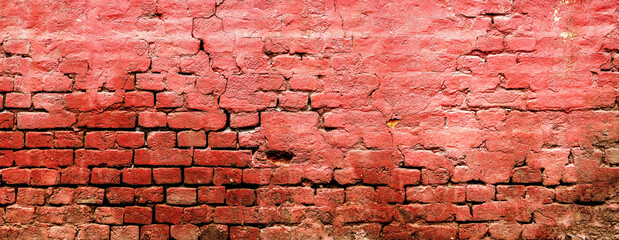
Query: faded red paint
[[292, 119]]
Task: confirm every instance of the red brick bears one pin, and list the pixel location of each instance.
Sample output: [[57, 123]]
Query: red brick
[[6, 158], [244, 197], [7, 119], [108, 119], [68, 139], [211, 195], [243, 120], [149, 195], [109, 215], [191, 139], [110, 158], [125, 232], [360, 194], [18, 100], [198, 215], [185, 232], [44, 177], [16, 46], [228, 215], [198, 101], [169, 100], [75, 175], [100, 140], [479, 193], [137, 176], [139, 99], [222, 158], [242, 232], [93, 231], [152, 119], [161, 139], [227, 176], [149, 81], [329, 197], [163, 157], [168, 214], [59, 196], [120, 195], [44, 158], [42, 120], [30, 196], [293, 100], [167, 175], [130, 139], [138, 215], [259, 176], [213, 120], [19, 214], [105, 176], [39, 139], [89, 195], [198, 175], [155, 232], [11, 140], [181, 196], [7, 195], [222, 139]]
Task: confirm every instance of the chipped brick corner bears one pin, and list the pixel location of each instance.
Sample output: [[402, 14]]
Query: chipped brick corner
[[293, 119]]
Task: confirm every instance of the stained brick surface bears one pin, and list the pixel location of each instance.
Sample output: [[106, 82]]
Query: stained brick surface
[[309, 119]]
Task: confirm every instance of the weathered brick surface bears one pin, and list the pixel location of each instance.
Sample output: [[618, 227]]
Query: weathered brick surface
[[294, 119]]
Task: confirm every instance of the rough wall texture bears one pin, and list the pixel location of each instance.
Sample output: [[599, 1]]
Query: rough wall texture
[[306, 119]]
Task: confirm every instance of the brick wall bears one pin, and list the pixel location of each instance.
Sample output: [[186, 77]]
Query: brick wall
[[309, 119]]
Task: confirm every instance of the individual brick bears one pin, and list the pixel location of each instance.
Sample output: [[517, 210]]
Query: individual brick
[[152, 119], [243, 120], [120, 195], [130, 139], [149, 195], [181, 196], [211, 195], [39, 140], [125, 232], [198, 215], [7, 195], [222, 158], [479, 193], [161, 139], [243, 197], [227, 176], [100, 140], [191, 139], [222, 139], [155, 231], [168, 214], [137, 176], [44, 177], [167, 175], [139, 99], [259, 176], [30, 196], [89, 195], [109, 215], [68, 139], [198, 175], [185, 231], [18, 100], [7, 119], [138, 215], [105, 176]]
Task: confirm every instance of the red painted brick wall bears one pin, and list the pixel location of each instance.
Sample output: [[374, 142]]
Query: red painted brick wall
[[309, 119]]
